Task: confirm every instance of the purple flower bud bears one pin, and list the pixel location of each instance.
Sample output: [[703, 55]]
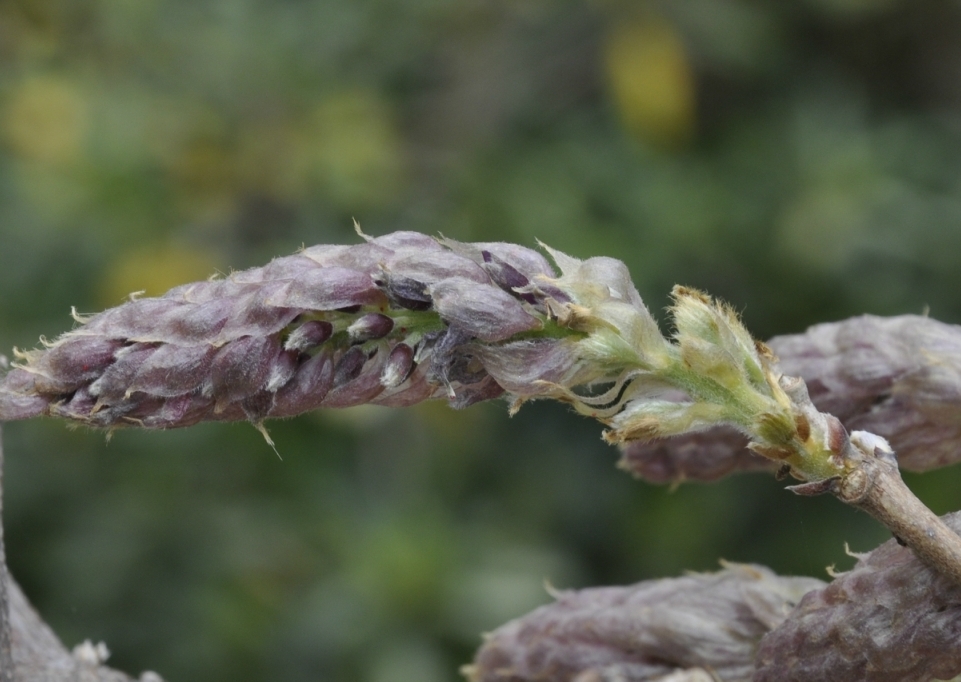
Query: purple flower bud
[[261, 312], [75, 361], [349, 366], [79, 406], [309, 334], [134, 320], [307, 389], [132, 411], [20, 406], [466, 369], [443, 349], [199, 293], [173, 370], [545, 290], [241, 368], [404, 292], [433, 266], [528, 262], [257, 406], [18, 399], [518, 366], [486, 389], [484, 311], [506, 276], [370, 326], [329, 289], [112, 385], [399, 364], [18, 380], [405, 240], [356, 379], [288, 267], [282, 369], [199, 323], [178, 411], [365, 258], [413, 390]]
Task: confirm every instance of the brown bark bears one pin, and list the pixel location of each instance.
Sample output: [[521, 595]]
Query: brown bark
[[6, 654], [873, 484]]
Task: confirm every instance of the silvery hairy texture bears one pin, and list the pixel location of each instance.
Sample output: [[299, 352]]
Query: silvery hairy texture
[[890, 619], [392, 321], [646, 631], [898, 377]]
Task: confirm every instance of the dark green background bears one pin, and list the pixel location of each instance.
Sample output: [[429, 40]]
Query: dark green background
[[801, 159]]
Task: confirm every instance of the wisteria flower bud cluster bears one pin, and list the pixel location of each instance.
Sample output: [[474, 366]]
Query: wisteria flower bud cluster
[[889, 619], [675, 628], [392, 321]]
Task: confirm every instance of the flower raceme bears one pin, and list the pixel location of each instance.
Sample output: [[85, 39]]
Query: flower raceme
[[403, 318], [392, 321], [889, 619]]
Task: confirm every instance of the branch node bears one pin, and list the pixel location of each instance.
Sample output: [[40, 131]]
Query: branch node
[[827, 485]]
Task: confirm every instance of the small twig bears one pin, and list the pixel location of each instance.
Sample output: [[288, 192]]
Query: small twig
[[6, 652], [873, 484], [891, 502]]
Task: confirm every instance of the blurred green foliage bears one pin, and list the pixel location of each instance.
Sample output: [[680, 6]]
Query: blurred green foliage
[[801, 159]]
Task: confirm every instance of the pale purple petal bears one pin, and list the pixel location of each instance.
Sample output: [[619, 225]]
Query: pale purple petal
[[329, 289], [484, 311], [241, 368], [173, 370]]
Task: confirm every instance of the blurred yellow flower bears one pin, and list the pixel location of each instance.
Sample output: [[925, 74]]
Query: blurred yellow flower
[[153, 270], [46, 119], [651, 81]]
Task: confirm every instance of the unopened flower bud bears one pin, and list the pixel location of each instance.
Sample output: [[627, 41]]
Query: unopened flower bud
[[370, 326], [486, 312], [282, 370], [242, 368], [506, 276], [404, 292], [309, 334], [398, 366], [74, 362], [112, 385], [349, 366], [308, 387]]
